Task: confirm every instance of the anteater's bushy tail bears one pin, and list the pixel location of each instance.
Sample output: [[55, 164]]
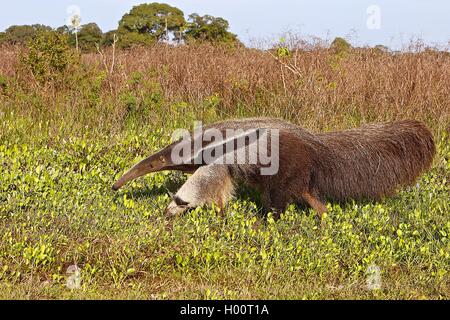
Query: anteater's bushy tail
[[374, 160]]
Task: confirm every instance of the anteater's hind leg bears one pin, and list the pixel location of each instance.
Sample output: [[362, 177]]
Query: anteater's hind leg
[[315, 203]]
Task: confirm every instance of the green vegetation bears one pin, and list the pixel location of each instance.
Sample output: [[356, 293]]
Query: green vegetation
[[65, 140], [89, 36], [340, 45], [152, 22], [22, 34], [209, 28], [144, 25], [58, 210], [49, 56]]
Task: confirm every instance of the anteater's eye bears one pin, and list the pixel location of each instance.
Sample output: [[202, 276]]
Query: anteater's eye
[[162, 159]]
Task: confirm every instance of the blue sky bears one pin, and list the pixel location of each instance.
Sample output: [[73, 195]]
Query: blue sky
[[399, 20]]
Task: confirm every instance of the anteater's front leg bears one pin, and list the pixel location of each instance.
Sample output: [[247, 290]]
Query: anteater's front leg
[[211, 184], [276, 201]]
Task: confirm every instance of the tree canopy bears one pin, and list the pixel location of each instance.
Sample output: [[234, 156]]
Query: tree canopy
[[208, 28], [143, 25], [340, 45], [89, 36], [108, 37], [23, 33], [150, 22]]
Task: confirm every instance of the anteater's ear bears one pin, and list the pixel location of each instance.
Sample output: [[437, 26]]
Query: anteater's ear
[[179, 202]]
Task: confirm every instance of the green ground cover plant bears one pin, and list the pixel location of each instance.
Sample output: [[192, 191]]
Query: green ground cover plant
[[65, 140]]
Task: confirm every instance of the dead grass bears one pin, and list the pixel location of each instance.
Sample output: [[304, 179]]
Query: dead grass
[[316, 87]]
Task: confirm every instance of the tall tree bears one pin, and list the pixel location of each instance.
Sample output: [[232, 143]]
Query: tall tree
[[108, 37], [89, 36], [208, 28], [24, 33], [151, 22]]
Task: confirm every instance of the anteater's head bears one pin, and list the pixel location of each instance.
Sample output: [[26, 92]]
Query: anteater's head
[[172, 157], [185, 155]]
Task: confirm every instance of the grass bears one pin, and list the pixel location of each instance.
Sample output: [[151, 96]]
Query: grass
[[63, 145]]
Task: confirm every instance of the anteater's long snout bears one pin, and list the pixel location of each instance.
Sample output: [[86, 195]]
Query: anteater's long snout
[[151, 164]]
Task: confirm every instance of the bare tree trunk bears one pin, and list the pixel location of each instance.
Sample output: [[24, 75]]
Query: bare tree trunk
[[76, 40]]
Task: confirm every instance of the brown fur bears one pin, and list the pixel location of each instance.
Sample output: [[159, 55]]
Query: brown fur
[[364, 163]]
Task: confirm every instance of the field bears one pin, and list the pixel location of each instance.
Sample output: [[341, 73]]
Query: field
[[67, 133]]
